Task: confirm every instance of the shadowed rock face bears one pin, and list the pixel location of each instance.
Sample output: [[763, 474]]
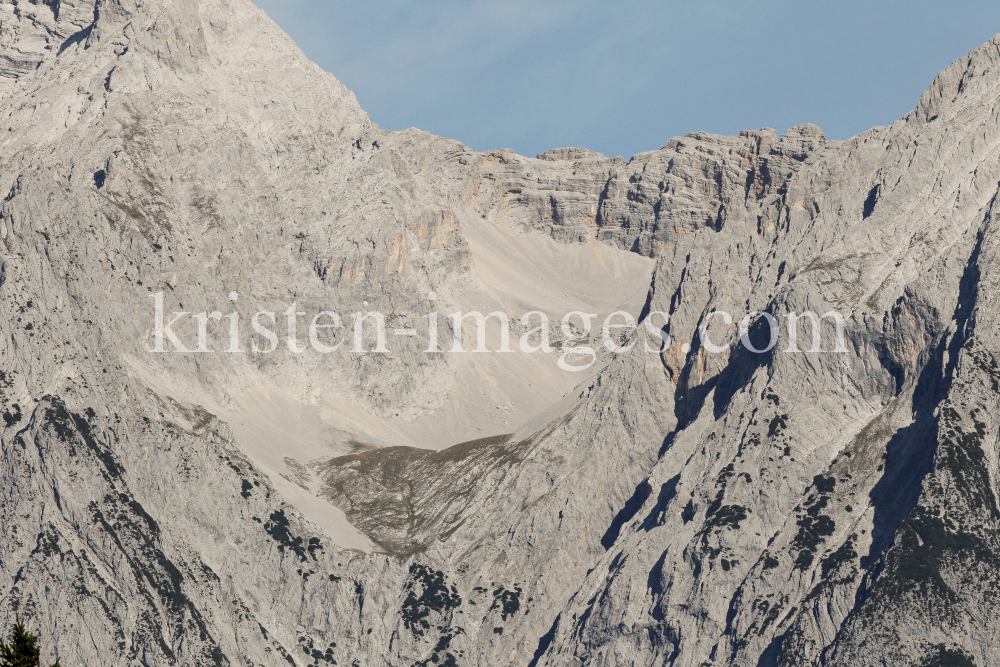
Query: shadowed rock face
[[684, 508]]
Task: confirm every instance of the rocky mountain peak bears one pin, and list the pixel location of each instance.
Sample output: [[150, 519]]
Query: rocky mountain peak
[[569, 154], [228, 497], [966, 79]]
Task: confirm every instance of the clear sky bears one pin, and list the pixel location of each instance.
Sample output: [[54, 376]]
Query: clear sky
[[623, 77]]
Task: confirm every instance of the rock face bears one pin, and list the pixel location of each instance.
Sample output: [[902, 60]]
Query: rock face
[[688, 508]]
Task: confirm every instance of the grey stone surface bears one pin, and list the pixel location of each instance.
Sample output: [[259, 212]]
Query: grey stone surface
[[688, 509]]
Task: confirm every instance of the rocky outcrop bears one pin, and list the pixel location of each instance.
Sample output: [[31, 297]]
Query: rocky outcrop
[[696, 181]]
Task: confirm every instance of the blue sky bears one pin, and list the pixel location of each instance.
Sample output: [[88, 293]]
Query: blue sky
[[623, 77]]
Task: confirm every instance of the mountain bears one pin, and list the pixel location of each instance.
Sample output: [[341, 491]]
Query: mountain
[[688, 508]]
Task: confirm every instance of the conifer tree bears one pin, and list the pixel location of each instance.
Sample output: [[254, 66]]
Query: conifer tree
[[23, 650]]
